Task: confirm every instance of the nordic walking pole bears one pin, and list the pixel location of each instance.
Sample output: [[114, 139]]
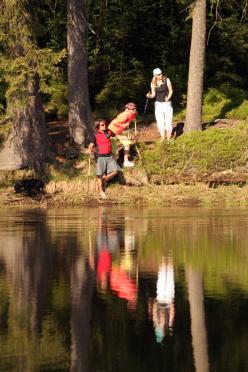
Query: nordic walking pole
[[146, 105], [135, 127], [135, 133], [88, 175]]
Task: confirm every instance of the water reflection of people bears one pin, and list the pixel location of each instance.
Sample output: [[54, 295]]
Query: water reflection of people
[[162, 308], [117, 275], [103, 268], [108, 243], [122, 279], [124, 286]]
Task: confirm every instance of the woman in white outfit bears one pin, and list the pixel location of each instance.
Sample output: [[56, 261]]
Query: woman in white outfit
[[161, 89]]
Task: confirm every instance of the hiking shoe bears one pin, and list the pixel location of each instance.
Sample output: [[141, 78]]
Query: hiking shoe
[[103, 195], [128, 164]]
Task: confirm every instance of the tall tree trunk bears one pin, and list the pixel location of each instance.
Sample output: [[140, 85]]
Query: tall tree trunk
[[27, 143], [80, 120], [198, 326], [196, 68]]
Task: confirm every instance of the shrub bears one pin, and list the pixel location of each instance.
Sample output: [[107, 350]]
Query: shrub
[[218, 102], [240, 112], [214, 103], [197, 154]]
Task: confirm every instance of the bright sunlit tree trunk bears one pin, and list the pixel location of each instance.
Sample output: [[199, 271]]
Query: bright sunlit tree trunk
[[196, 68], [80, 120]]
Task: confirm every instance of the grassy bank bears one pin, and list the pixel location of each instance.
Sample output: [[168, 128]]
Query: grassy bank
[[199, 168], [81, 193], [197, 156]]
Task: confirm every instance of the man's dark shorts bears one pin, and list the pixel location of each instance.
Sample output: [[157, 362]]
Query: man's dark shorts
[[105, 165]]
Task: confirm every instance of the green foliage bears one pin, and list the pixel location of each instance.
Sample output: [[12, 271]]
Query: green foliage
[[197, 154], [218, 102], [226, 60], [57, 102], [124, 45], [21, 59], [19, 71], [122, 86], [213, 104], [4, 131], [179, 115], [241, 112]]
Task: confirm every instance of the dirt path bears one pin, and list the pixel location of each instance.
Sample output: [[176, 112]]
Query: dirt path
[[146, 132]]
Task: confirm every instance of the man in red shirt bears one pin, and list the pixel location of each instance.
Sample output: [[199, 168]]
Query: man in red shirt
[[106, 166]]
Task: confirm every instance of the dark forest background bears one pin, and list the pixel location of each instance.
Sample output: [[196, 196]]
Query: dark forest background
[[127, 39]]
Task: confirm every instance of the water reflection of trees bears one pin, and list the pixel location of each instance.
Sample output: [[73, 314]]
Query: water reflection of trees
[[211, 241], [37, 265], [51, 316], [28, 264], [210, 247], [82, 286], [198, 322]]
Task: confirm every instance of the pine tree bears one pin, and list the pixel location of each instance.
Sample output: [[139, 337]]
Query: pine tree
[[22, 64]]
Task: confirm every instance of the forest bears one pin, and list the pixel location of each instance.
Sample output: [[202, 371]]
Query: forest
[[77, 60]]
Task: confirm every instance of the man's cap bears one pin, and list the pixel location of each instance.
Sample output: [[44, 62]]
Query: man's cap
[[157, 71], [130, 106]]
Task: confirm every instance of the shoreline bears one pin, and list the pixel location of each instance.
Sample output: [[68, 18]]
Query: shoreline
[[71, 194]]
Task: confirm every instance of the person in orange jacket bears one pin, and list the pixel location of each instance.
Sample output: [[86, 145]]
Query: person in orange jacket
[[119, 124]]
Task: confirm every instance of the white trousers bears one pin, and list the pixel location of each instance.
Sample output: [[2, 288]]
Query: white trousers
[[163, 115]]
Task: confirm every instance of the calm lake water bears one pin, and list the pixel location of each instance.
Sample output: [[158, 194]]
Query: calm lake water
[[122, 289]]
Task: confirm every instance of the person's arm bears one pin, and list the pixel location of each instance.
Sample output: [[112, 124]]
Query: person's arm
[[152, 93], [170, 90], [91, 147], [112, 134]]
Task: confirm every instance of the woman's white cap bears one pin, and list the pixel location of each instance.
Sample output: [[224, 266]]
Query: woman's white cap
[[157, 71]]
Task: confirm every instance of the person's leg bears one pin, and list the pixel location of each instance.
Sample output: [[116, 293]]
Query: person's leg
[[111, 169], [159, 115], [100, 171], [127, 163], [99, 184], [168, 119], [110, 175], [125, 141], [126, 153]]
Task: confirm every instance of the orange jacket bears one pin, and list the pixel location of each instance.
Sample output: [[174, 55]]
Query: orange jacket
[[121, 122]]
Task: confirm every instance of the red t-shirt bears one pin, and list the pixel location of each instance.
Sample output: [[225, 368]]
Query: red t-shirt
[[103, 142], [122, 121]]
